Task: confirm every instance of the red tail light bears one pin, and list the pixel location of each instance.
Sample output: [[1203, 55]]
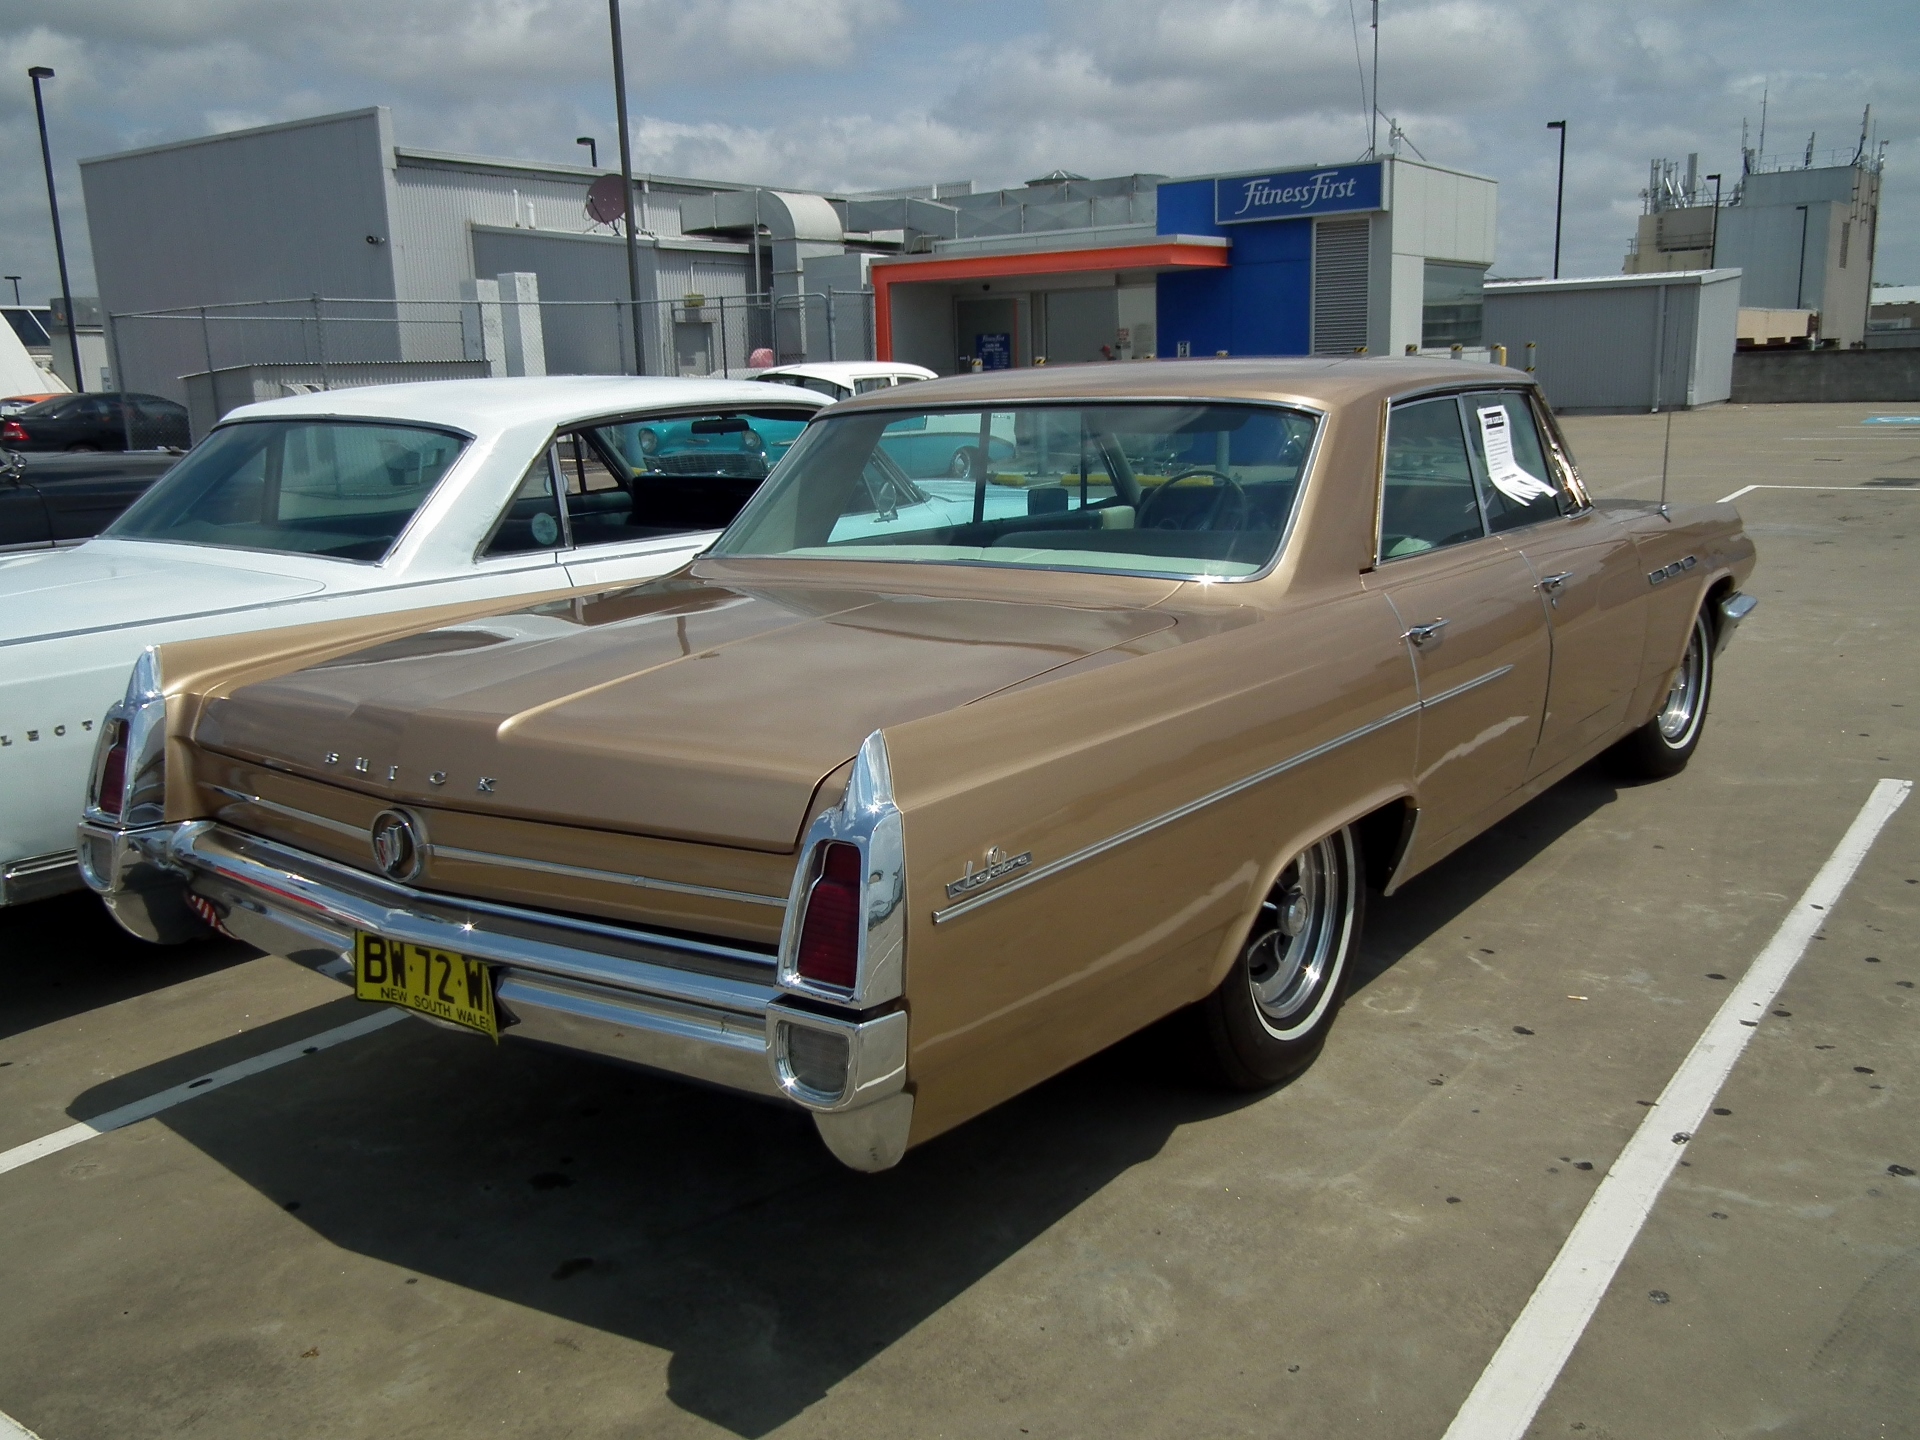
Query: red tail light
[[113, 772], [829, 952], [13, 431]]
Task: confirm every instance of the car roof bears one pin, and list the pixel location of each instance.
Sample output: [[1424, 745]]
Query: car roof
[[1323, 382], [490, 406], [846, 370]]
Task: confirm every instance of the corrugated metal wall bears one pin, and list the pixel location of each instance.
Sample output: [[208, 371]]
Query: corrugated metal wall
[[1619, 347], [1342, 251], [267, 214]]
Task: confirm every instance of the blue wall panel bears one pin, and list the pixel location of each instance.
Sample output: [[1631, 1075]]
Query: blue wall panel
[[1259, 305]]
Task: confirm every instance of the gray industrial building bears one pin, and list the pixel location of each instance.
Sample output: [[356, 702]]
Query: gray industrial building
[[1801, 236]]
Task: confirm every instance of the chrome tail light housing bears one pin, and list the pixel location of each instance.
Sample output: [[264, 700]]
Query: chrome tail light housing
[[844, 940], [127, 786]]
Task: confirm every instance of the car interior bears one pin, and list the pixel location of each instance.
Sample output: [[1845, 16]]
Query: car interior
[[641, 479], [1204, 489]]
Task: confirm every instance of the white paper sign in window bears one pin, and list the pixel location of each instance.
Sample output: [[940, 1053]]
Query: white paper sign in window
[[1496, 439]]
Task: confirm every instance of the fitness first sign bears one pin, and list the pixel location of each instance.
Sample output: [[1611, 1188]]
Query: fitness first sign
[[1329, 190]]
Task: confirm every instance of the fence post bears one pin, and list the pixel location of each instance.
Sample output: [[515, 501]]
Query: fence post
[[725, 374], [320, 339], [833, 337], [120, 382]]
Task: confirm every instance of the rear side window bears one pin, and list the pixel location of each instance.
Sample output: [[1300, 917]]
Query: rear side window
[[1428, 497], [1517, 484], [644, 479], [302, 487]]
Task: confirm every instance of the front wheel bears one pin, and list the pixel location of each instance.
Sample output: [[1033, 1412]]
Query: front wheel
[[1270, 1016], [1665, 744]]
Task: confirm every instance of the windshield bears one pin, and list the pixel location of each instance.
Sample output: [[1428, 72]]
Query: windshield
[[301, 487], [1189, 490]]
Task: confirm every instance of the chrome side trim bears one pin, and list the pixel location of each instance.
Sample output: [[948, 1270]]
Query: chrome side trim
[[339, 827], [1259, 777], [1473, 684], [581, 872], [513, 862]]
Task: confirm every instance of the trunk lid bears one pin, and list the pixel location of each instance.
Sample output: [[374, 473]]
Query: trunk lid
[[680, 709]]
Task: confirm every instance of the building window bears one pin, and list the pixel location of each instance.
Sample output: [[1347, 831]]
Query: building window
[[1450, 314], [1846, 234]]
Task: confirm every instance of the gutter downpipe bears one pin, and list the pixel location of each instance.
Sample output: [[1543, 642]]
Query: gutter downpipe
[[626, 182]]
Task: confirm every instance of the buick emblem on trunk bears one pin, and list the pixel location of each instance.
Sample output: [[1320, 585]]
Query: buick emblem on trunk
[[398, 847]]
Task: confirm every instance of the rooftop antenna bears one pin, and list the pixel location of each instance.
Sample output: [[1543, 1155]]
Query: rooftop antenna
[[1373, 108], [1666, 451], [1866, 117], [1761, 149], [1811, 134]]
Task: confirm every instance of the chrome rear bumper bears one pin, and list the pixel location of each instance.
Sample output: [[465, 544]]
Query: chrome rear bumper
[[36, 877], [701, 1010]]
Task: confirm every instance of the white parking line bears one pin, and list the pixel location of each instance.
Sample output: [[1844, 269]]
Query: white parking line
[[142, 1109], [12, 1429], [1913, 489], [1529, 1360]]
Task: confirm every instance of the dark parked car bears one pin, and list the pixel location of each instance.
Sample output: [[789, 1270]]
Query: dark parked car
[[48, 500], [98, 422]]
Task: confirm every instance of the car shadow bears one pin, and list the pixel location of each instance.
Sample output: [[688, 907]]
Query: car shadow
[[708, 1226], [1430, 902], [65, 956], [705, 1225]]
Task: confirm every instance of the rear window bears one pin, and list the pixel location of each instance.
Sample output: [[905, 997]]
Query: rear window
[[298, 487]]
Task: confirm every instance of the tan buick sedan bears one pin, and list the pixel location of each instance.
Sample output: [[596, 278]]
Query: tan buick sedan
[[930, 779]]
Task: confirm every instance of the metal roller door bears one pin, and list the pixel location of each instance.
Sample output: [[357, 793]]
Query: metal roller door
[[1340, 250]]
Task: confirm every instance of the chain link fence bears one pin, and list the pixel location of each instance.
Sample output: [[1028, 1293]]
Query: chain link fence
[[215, 357]]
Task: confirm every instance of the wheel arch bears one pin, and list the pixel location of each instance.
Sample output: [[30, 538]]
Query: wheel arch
[[1383, 825]]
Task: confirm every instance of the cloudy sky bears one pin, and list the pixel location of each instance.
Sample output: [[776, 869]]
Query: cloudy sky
[[861, 94]]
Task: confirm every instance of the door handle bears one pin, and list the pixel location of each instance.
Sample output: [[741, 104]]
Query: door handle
[[1552, 583], [1422, 635]]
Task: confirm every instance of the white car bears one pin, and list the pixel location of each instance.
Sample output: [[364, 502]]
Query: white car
[[351, 503], [839, 379]]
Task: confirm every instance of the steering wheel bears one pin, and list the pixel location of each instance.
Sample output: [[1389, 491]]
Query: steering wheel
[[1225, 486]]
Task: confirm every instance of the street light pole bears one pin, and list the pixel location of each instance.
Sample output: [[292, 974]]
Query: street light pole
[[626, 176], [1713, 242], [1559, 192], [1800, 275], [593, 150], [37, 73]]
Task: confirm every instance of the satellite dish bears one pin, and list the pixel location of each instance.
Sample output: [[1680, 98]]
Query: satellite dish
[[607, 200]]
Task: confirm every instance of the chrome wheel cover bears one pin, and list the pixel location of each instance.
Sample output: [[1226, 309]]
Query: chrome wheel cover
[[1300, 939], [1680, 716]]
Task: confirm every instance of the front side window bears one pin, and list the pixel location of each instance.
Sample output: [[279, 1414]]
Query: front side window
[[1188, 490], [1516, 482], [1427, 497], [302, 487]]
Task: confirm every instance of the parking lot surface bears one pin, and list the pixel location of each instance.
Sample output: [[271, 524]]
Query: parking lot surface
[[415, 1234]]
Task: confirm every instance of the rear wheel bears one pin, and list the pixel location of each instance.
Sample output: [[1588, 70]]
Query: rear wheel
[[1271, 1014], [1665, 744]]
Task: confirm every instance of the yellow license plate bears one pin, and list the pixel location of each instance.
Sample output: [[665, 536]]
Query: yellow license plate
[[439, 983]]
